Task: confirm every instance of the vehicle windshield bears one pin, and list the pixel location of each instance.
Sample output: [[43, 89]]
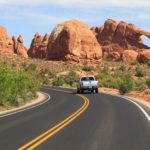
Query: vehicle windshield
[[91, 78], [84, 79], [87, 79]]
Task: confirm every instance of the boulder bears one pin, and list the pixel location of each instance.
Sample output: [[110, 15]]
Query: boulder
[[73, 41], [129, 56], [114, 56], [38, 48], [144, 56]]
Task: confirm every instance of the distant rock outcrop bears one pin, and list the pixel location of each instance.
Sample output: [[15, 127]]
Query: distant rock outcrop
[[144, 56], [118, 37], [11, 45], [38, 48], [73, 41]]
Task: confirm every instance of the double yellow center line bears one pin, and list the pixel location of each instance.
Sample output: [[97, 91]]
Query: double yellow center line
[[49, 133]]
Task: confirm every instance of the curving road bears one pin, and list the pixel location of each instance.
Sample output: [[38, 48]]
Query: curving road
[[77, 122]]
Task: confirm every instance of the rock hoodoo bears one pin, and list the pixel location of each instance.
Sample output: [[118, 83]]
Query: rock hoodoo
[[20, 48], [119, 36], [6, 43], [38, 48], [73, 41], [11, 46]]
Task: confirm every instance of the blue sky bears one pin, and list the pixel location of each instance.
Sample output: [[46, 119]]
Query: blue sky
[[26, 17]]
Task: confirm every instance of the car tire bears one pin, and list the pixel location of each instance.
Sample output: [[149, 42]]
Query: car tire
[[96, 91]]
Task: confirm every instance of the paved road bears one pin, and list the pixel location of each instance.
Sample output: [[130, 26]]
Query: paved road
[[106, 123]]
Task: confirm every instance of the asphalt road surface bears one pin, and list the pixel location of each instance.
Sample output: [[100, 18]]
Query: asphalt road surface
[[77, 122]]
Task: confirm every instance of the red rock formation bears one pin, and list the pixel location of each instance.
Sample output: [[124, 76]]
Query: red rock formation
[[117, 37], [20, 48], [11, 46], [114, 55], [38, 48], [14, 44], [73, 41], [130, 56], [144, 56], [6, 43]]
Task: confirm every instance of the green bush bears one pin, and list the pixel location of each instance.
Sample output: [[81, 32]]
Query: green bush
[[140, 84], [71, 78], [110, 81], [148, 62], [30, 67], [52, 74], [134, 63], [148, 82], [87, 68], [126, 85], [118, 80], [58, 81], [105, 70], [7, 81], [122, 68], [16, 85], [43, 78], [140, 71], [45, 81]]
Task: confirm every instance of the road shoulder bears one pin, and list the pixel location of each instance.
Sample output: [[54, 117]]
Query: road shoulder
[[41, 98], [145, 105]]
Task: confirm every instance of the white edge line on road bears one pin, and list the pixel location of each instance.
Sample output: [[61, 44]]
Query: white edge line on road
[[130, 100], [140, 107], [29, 107]]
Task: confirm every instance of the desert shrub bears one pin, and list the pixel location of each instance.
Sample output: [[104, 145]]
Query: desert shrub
[[122, 68], [45, 81], [16, 85], [148, 62], [126, 85], [42, 78], [110, 81], [140, 71], [134, 63], [25, 82], [87, 68], [140, 84], [148, 82], [118, 80], [71, 78], [30, 67], [58, 81], [105, 70], [6, 83], [52, 74]]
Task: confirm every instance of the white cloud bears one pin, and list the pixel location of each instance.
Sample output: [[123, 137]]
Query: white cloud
[[29, 12], [83, 3]]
